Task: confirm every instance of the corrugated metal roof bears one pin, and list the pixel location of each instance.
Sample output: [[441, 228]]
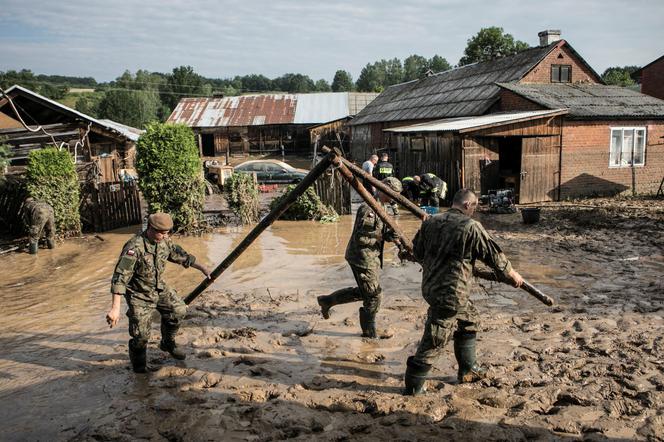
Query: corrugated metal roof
[[464, 91], [462, 123], [268, 109], [128, 132], [591, 100]]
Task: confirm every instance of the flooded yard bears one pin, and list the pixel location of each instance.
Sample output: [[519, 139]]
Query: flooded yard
[[263, 365]]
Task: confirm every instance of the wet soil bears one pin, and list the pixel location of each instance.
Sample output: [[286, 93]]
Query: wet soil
[[263, 365]]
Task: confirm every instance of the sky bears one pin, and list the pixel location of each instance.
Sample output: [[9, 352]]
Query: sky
[[221, 38]]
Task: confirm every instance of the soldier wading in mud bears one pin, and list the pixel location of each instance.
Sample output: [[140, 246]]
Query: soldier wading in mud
[[364, 254], [39, 218], [138, 276], [447, 245]]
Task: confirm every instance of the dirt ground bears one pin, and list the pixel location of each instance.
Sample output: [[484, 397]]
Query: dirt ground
[[263, 365]]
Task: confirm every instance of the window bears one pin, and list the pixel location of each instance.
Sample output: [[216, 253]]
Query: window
[[417, 144], [628, 146], [561, 73]]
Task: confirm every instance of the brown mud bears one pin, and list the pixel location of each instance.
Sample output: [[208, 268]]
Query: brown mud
[[263, 365]]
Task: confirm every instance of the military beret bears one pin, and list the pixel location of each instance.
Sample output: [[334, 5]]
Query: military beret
[[393, 183], [160, 221]]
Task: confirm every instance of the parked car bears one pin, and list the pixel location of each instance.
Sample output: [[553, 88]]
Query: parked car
[[272, 171]]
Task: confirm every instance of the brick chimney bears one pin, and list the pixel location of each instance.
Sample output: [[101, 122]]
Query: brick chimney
[[549, 36]]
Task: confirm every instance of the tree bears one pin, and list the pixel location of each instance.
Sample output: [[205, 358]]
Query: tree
[[323, 86], [490, 43], [294, 83], [393, 71], [414, 67], [342, 82], [439, 64], [182, 82], [171, 176], [88, 103], [371, 79], [130, 107], [619, 76]]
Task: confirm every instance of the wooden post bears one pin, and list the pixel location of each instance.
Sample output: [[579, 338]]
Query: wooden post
[[406, 243], [262, 225]]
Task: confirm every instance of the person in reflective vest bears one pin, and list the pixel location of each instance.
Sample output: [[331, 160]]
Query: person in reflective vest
[[432, 189]]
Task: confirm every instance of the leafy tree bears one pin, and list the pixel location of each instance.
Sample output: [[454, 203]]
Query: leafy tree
[[371, 79], [182, 82], [619, 76], [130, 107], [342, 82], [171, 176], [88, 103], [323, 86], [439, 64], [490, 43], [51, 177], [414, 67], [294, 83], [393, 71]]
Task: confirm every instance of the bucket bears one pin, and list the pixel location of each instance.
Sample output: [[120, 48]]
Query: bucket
[[530, 215], [430, 210]]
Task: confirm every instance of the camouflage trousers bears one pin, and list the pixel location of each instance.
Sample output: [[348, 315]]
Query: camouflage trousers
[[368, 290], [440, 326], [169, 305], [42, 221]]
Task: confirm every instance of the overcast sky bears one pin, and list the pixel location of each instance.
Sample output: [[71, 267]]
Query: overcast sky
[[220, 38]]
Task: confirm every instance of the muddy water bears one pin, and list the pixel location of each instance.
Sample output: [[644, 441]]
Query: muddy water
[[63, 373]]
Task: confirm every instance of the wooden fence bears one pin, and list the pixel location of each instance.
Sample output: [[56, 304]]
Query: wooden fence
[[333, 190], [109, 206]]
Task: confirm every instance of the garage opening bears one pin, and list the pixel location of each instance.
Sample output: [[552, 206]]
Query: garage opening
[[509, 151]]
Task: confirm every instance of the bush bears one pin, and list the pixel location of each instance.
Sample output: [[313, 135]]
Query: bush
[[51, 177], [306, 206], [242, 196], [5, 155], [171, 175]]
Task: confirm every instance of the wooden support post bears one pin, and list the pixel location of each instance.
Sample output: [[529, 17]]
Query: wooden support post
[[271, 217], [342, 163]]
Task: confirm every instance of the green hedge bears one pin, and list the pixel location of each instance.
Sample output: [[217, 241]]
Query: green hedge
[[307, 206], [242, 195], [51, 177], [171, 174]]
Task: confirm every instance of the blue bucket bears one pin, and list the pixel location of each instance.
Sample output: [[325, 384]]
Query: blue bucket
[[430, 210]]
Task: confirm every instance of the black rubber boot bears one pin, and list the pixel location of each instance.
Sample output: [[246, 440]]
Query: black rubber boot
[[343, 296], [138, 357], [172, 348], [50, 243], [464, 350], [368, 324], [415, 377], [33, 247]]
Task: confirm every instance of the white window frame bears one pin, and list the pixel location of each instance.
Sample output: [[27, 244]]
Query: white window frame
[[623, 163]]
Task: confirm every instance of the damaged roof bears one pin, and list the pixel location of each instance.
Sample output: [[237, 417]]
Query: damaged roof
[[591, 100], [269, 109], [463, 91]]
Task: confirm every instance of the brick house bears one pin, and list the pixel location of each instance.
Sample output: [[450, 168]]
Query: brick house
[[651, 78], [541, 122]]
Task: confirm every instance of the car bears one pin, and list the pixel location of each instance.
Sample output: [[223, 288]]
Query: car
[[272, 171]]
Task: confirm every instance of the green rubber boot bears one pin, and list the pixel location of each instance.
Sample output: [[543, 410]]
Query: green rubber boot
[[415, 377], [464, 350], [343, 296], [50, 243], [138, 357], [33, 248], [368, 324]]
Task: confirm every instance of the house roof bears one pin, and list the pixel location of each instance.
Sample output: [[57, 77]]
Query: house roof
[[466, 124], [127, 132], [591, 100], [463, 91], [636, 75], [269, 109]]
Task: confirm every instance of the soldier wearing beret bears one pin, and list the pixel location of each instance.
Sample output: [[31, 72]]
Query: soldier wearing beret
[[138, 277], [364, 254]]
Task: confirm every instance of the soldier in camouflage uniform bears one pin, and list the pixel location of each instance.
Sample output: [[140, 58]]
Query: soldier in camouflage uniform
[[39, 218], [447, 245], [364, 255], [138, 277]]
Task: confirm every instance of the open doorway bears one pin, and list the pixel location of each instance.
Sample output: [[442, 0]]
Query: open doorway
[[207, 145], [509, 151]]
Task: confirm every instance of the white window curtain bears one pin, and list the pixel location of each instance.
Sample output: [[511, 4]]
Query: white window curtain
[[628, 145]]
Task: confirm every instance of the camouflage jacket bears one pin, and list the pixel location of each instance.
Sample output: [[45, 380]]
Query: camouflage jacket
[[139, 271], [447, 245], [366, 242]]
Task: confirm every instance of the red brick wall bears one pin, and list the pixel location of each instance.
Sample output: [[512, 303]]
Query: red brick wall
[[560, 55], [652, 79], [509, 101], [585, 159]]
